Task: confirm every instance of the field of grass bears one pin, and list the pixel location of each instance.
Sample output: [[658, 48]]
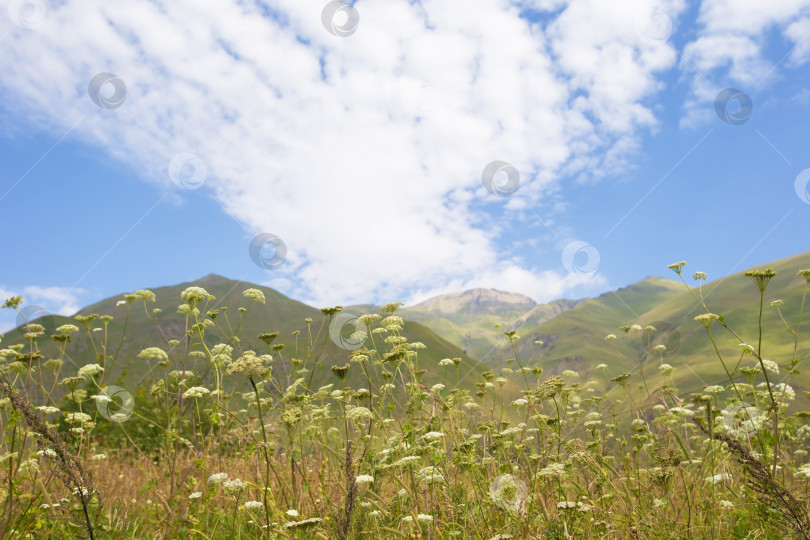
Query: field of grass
[[256, 421]]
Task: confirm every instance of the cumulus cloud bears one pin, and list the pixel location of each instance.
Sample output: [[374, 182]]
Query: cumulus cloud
[[730, 48], [365, 153], [39, 301]]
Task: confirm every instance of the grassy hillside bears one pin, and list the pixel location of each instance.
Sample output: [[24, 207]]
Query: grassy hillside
[[145, 328], [576, 339]]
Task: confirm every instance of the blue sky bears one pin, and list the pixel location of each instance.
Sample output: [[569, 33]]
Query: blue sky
[[364, 153]]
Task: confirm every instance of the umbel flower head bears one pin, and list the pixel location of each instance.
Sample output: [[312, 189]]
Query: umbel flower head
[[251, 365], [254, 294], [195, 295], [805, 274], [340, 371], [761, 277], [707, 319], [677, 267], [268, 338]]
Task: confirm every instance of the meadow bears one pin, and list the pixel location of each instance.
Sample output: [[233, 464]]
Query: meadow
[[218, 440]]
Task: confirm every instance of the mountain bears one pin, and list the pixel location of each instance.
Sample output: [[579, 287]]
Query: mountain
[[575, 339], [467, 319], [146, 328]]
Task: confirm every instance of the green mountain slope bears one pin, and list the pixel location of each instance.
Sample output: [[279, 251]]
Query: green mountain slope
[[467, 319], [575, 339], [144, 328]]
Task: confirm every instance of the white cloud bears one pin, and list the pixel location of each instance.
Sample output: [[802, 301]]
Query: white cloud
[[730, 48], [39, 301], [364, 154]]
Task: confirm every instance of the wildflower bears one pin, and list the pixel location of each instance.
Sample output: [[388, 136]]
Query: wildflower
[[29, 466], [195, 295], [771, 366], [610, 337], [707, 319], [566, 505], [746, 348], [700, 276], [520, 402], [666, 369], [217, 478], [407, 519], [635, 328], [340, 371], [660, 348], [552, 470], [777, 303], [83, 491], [153, 353], [99, 457], [78, 417], [90, 370], [437, 388], [445, 362], [407, 460], [717, 478], [659, 503], [725, 505], [391, 307], [681, 411], [251, 365], [424, 517], [67, 329], [430, 475], [292, 513], [48, 410], [677, 267], [253, 505], [714, 389], [254, 294], [387, 386], [304, 524], [621, 379], [196, 392], [364, 479], [359, 412], [570, 373], [805, 274], [761, 277]]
